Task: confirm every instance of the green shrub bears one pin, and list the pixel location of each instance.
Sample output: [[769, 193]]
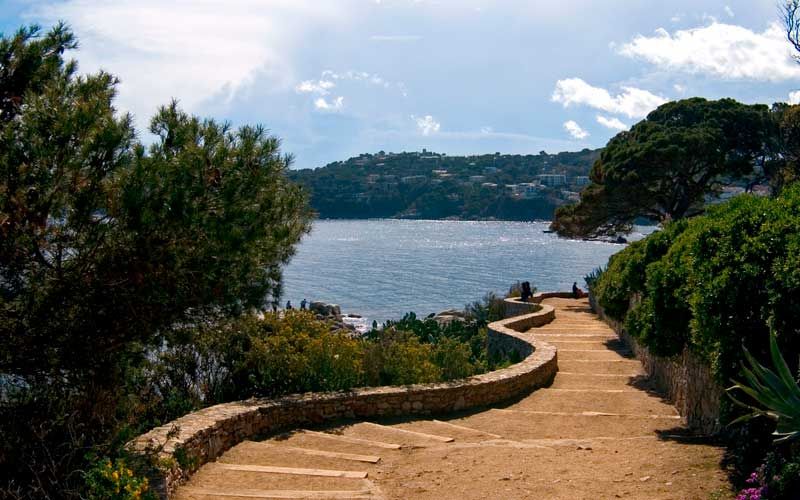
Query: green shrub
[[614, 288], [398, 358], [625, 276], [453, 359], [715, 283], [114, 480]]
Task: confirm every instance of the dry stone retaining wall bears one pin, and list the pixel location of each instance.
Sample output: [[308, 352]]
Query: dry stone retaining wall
[[200, 437], [685, 379], [516, 307]]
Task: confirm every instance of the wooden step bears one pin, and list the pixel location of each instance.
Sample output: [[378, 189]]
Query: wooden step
[[268, 469], [629, 367], [468, 429], [354, 440], [441, 439], [605, 401], [267, 494], [322, 453], [587, 414], [572, 380], [517, 425]]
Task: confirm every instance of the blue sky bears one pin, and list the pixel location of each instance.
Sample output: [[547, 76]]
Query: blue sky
[[337, 78]]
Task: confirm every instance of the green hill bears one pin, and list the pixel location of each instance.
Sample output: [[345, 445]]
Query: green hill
[[427, 185]]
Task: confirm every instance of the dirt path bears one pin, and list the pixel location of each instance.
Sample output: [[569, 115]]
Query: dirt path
[[595, 433]]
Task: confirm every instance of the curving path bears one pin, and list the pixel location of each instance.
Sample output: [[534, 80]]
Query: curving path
[[596, 432]]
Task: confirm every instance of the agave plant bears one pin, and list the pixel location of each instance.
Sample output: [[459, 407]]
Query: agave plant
[[777, 393]]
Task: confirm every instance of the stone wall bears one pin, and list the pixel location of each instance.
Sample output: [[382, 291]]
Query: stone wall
[[204, 435], [685, 379], [505, 337], [515, 307]]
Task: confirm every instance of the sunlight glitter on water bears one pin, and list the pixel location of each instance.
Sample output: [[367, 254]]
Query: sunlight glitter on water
[[382, 269]]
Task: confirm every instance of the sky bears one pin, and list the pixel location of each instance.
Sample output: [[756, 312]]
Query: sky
[[336, 78]]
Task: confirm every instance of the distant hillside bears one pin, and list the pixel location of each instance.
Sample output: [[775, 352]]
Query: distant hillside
[[426, 185]]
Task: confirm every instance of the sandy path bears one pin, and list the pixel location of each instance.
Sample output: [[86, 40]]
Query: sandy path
[[595, 433]]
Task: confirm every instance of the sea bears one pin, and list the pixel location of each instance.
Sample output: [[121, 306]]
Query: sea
[[381, 269]]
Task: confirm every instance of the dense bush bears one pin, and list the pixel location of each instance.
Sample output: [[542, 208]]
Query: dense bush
[[715, 284], [624, 277]]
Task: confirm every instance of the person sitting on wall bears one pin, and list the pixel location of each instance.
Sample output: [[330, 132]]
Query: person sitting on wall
[[526, 294], [577, 292]]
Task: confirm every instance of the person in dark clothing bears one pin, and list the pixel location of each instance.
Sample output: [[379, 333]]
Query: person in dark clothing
[[303, 304], [526, 294], [576, 292], [288, 305]]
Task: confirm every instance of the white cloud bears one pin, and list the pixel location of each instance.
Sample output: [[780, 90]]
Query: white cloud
[[321, 87], [426, 125], [722, 50], [612, 123], [358, 76], [486, 130], [681, 89], [323, 105], [575, 130], [632, 102], [794, 97], [729, 11], [193, 51], [328, 80]]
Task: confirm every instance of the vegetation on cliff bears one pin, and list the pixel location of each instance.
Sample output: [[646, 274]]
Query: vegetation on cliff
[[429, 185]]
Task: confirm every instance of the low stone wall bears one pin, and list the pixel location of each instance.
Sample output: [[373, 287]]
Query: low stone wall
[[200, 437], [687, 381], [505, 337], [516, 307]]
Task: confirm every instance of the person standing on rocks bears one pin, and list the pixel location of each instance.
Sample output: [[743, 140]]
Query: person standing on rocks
[[303, 305]]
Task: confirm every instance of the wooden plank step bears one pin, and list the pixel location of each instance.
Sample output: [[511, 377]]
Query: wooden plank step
[[321, 494], [349, 474], [593, 350], [365, 442], [442, 439], [635, 361], [586, 414], [596, 342], [469, 429], [322, 453], [590, 390]]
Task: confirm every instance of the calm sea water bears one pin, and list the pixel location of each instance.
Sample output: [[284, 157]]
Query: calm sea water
[[382, 269]]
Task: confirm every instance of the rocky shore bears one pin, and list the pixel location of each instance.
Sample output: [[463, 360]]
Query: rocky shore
[[356, 324]]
